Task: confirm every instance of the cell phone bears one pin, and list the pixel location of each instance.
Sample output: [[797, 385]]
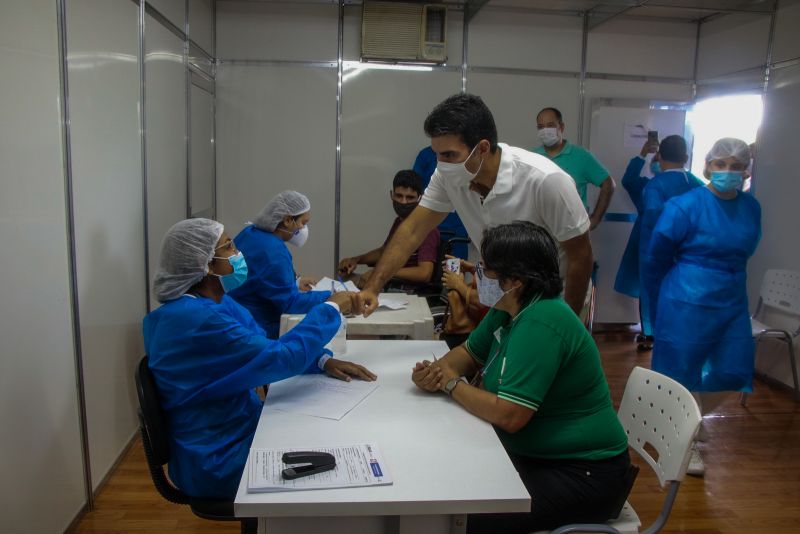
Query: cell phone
[[652, 136]]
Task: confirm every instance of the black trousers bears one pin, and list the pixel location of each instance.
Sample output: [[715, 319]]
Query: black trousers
[[562, 492]]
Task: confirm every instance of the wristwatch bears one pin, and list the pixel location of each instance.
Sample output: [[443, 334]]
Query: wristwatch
[[452, 383]]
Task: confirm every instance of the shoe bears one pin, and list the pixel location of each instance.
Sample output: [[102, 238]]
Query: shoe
[[696, 466], [644, 346]]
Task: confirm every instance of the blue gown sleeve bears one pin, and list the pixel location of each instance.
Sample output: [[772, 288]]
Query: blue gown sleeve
[[634, 183], [246, 358], [282, 291], [669, 233]]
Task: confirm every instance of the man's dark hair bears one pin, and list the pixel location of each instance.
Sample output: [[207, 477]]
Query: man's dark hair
[[463, 115], [410, 179], [523, 251], [673, 149], [554, 110]]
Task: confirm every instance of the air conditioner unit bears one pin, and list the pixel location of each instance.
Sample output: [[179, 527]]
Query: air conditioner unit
[[398, 31]]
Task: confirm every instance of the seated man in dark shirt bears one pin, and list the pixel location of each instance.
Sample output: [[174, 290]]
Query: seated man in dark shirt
[[406, 193]]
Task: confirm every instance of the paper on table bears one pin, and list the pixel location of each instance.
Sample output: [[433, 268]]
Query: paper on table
[[392, 304], [356, 465], [318, 395], [329, 284]]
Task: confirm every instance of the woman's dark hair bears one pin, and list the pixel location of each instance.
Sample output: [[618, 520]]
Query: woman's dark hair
[[466, 116], [524, 251]]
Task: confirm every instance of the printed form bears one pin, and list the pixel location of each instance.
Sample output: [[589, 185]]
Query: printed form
[[356, 466], [318, 395]]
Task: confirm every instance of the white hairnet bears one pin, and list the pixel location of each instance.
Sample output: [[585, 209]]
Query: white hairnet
[[186, 250], [727, 147], [289, 203]]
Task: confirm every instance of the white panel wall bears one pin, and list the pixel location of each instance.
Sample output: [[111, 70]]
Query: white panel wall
[[276, 130], [201, 24], [515, 100], [250, 30], [201, 171], [785, 45], [165, 109], [500, 38], [732, 43], [382, 132], [109, 216], [624, 46], [41, 486]]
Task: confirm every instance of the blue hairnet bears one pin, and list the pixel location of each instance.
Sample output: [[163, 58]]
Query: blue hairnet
[[289, 203], [186, 250], [727, 147]]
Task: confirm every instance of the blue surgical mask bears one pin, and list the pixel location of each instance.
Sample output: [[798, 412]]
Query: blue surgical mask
[[726, 181], [655, 167], [239, 274], [489, 290]]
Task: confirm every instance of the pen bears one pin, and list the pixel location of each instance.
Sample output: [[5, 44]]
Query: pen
[[434, 357], [342, 282]]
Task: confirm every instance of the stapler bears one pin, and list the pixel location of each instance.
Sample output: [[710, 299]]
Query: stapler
[[305, 463]]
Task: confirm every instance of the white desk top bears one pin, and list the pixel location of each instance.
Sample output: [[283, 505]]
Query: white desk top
[[415, 321], [443, 460]]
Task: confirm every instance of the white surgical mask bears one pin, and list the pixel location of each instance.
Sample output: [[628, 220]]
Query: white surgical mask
[[457, 173], [299, 237], [549, 136], [489, 290]]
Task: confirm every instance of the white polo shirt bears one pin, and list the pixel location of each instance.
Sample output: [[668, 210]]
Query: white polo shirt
[[529, 187]]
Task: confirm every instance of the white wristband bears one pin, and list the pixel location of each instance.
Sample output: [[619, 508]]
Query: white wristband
[[323, 360]]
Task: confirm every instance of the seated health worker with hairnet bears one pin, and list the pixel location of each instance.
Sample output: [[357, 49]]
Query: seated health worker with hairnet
[[208, 354], [541, 385], [697, 266], [272, 287]]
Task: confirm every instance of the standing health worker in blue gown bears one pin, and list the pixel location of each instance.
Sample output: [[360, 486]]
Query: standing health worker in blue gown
[[671, 180], [272, 288], [207, 354], [698, 256]]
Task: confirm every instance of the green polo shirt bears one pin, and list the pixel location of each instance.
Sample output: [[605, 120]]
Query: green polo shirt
[[580, 164], [546, 360]]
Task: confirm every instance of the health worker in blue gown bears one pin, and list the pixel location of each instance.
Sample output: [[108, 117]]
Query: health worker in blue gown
[[272, 287], [207, 355], [671, 179], [696, 264]]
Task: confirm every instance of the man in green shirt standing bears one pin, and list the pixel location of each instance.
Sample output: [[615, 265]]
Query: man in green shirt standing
[[578, 162]]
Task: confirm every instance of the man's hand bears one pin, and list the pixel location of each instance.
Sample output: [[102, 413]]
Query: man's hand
[[345, 300], [427, 376], [307, 283], [347, 266], [366, 302], [343, 370], [453, 281], [649, 147]]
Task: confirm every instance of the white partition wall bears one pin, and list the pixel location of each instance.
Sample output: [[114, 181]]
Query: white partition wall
[[109, 216], [42, 482], [165, 110]]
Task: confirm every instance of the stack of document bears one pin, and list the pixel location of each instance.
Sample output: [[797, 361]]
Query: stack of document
[[329, 284], [356, 466], [318, 395]]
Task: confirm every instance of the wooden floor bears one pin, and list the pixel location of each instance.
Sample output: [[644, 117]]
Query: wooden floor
[[752, 481]]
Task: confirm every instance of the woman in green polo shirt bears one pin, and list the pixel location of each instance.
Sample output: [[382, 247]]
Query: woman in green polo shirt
[[539, 381]]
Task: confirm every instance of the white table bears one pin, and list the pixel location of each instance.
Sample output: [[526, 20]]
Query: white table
[[445, 462], [414, 322]]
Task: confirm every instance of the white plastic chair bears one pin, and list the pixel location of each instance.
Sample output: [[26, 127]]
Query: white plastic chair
[[780, 291], [658, 411]]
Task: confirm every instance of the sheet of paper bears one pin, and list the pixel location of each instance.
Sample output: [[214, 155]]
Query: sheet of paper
[[392, 303], [356, 465], [329, 284], [318, 395]]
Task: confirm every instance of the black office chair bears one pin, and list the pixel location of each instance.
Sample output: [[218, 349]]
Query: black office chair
[[153, 427]]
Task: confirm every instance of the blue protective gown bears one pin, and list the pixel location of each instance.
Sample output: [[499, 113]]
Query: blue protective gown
[[662, 187], [206, 359], [627, 281], [271, 286], [696, 268]]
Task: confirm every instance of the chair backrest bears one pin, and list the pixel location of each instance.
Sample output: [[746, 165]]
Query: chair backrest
[[659, 411], [781, 289], [154, 421]]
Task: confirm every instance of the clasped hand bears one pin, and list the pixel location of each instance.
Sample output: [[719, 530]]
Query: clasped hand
[[432, 376]]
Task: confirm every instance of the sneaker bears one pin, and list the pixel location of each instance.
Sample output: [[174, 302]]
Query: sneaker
[[696, 466]]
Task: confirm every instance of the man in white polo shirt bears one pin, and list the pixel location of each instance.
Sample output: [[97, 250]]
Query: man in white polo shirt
[[489, 183]]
